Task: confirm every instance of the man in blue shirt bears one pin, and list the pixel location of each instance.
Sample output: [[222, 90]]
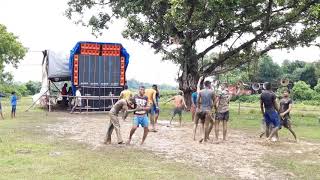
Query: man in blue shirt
[[13, 100], [194, 97]]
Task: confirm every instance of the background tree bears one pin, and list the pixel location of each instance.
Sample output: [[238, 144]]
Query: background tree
[[11, 52], [269, 71], [240, 30]]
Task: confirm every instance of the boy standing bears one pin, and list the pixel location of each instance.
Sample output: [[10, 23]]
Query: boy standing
[[140, 117], [13, 100], [285, 108]]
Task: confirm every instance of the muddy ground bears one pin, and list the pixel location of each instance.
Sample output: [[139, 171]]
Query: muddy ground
[[241, 157]]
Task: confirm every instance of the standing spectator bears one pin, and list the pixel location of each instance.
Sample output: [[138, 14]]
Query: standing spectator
[[1, 106], [64, 93], [13, 100], [126, 93], [77, 102]]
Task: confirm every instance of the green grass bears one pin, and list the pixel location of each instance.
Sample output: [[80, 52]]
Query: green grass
[[25, 149], [298, 165], [26, 153]]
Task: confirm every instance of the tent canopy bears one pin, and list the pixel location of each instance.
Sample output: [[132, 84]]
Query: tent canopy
[[58, 66]]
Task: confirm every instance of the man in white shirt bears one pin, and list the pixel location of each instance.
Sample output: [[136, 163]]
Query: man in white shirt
[[77, 102]]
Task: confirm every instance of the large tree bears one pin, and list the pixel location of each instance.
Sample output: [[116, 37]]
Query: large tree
[[238, 30], [11, 52]]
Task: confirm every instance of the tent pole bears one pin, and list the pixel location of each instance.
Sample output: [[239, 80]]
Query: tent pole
[[35, 101], [49, 96]]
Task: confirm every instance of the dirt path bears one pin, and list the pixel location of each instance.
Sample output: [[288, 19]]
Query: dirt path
[[242, 156]]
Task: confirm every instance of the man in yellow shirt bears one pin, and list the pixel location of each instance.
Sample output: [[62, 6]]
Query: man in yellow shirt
[[126, 93], [151, 94]]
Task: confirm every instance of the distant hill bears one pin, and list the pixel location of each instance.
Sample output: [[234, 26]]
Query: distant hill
[[134, 84]]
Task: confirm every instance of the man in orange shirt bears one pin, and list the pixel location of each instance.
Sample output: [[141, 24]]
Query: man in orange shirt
[[151, 94]]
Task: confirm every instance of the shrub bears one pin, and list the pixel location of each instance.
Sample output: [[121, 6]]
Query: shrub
[[317, 87], [302, 91]]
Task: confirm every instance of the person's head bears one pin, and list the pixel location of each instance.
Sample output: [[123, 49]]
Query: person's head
[[180, 93], [13, 93], [79, 88], [194, 89], [286, 93], [141, 90], [267, 86], [125, 87], [131, 103], [65, 85], [207, 84], [155, 87]]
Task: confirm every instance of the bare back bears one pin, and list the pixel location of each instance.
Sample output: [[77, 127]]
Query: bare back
[[178, 101]]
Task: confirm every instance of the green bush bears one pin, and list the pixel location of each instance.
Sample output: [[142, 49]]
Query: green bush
[[302, 91], [317, 87]]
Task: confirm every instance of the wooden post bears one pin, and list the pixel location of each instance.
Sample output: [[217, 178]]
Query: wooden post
[[239, 108], [87, 106]]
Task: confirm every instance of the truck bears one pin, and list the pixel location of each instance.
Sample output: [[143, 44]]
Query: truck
[[99, 70]]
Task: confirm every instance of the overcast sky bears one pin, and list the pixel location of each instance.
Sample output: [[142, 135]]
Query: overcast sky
[[40, 24]]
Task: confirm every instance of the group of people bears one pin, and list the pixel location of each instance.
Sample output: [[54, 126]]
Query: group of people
[[13, 102], [144, 105], [209, 108], [275, 115]]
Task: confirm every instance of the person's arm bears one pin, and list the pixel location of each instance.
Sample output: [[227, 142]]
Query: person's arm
[[184, 103], [192, 102], [217, 101], [127, 111], [261, 106], [287, 111], [198, 100], [275, 104], [154, 101], [199, 84], [171, 99]]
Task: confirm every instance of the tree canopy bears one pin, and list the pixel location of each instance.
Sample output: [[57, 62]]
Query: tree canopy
[[238, 30], [11, 52]]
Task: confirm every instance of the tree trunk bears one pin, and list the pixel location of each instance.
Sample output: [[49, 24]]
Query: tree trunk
[[190, 75]]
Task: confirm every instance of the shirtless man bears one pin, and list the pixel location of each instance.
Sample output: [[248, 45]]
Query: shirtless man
[[179, 105], [285, 108], [206, 101], [199, 116], [121, 105], [140, 116], [269, 110]]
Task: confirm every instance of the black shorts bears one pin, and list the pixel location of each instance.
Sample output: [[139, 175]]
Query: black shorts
[[177, 111], [285, 122], [14, 108], [222, 116]]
